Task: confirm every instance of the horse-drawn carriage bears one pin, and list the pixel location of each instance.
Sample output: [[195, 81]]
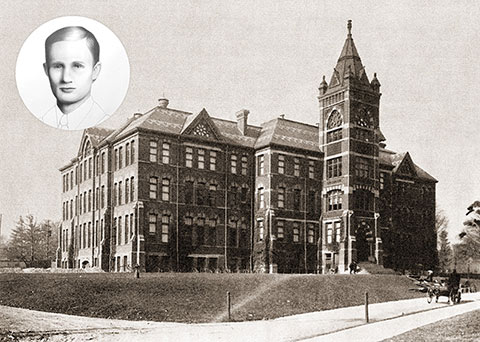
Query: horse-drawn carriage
[[435, 289]]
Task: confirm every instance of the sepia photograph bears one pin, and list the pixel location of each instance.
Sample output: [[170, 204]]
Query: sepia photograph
[[239, 171]]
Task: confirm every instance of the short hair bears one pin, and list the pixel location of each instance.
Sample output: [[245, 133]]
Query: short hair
[[73, 33]]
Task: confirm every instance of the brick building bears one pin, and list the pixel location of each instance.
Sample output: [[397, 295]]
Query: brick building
[[171, 190]]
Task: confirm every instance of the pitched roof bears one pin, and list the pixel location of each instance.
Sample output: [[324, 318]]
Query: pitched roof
[[98, 134], [395, 160], [288, 133]]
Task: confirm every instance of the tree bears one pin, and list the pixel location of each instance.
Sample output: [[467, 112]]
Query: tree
[[445, 253], [33, 243]]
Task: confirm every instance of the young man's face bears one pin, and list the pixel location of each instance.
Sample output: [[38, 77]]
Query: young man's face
[[71, 71]]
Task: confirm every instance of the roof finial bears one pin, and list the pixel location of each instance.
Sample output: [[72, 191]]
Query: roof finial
[[349, 27]]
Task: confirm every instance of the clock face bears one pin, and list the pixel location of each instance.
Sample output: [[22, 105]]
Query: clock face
[[335, 120]]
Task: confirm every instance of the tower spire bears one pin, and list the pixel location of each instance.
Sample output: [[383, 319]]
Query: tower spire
[[349, 28]]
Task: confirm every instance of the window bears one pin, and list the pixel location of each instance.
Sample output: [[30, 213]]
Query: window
[[338, 231], [212, 232], [127, 154], [188, 220], [233, 163], [382, 181], [329, 233], [334, 135], [120, 192], [261, 232], [212, 190], [201, 195], [311, 169], [261, 198], [165, 189], [89, 234], [76, 175], [152, 223], [120, 157], [232, 233], [165, 225], [132, 159], [261, 165], [363, 200], [296, 167], [296, 232], [280, 230], [213, 160], [103, 196], [189, 192], [127, 190], [244, 194], [153, 151], [90, 167], [334, 167], [104, 160], [311, 233], [117, 157], [132, 227], [166, 153], [153, 187], [89, 200], [71, 180], [334, 199], [189, 157], [115, 193], [281, 197], [363, 168], [71, 208], [200, 231], [132, 190], [244, 165], [281, 164], [85, 202], [297, 198], [201, 159]]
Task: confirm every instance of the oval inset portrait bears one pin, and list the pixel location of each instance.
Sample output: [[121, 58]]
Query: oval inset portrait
[[72, 73]]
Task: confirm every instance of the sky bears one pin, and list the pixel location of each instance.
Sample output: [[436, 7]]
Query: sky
[[268, 57]]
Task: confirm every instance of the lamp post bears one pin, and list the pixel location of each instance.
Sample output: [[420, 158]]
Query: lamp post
[[377, 238]]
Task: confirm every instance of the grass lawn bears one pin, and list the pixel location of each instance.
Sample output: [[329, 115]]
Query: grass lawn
[[195, 297], [465, 328]]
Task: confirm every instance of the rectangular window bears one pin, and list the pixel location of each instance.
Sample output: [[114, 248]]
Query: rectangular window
[[119, 231], [166, 153], [244, 195], [329, 233], [127, 190], [201, 195], [120, 192], [117, 158], [153, 151], [89, 234], [297, 199], [97, 165], [71, 180], [261, 232], [281, 164], [80, 172], [90, 167], [152, 223], [261, 165], [244, 165], [189, 157], [189, 192], [85, 170], [103, 196], [363, 168], [261, 198], [89, 200], [296, 232], [338, 231], [233, 163], [165, 189], [201, 159], [76, 175], [334, 135], [115, 194], [212, 190], [312, 202], [311, 169], [334, 167], [104, 162], [296, 167], [127, 154], [153, 187], [120, 157], [213, 160], [165, 225], [281, 197], [311, 233], [132, 227], [85, 202], [132, 147], [132, 189], [334, 200], [280, 230]]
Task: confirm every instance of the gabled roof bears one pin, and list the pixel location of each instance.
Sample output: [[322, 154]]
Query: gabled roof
[[202, 126], [400, 163], [288, 133], [98, 134]]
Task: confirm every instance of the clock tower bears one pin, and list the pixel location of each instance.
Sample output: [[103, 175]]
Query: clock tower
[[350, 138]]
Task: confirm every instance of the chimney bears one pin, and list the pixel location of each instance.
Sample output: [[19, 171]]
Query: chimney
[[163, 102], [282, 116], [137, 115], [242, 117]]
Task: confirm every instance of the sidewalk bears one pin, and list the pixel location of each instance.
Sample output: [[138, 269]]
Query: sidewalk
[[345, 324]]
